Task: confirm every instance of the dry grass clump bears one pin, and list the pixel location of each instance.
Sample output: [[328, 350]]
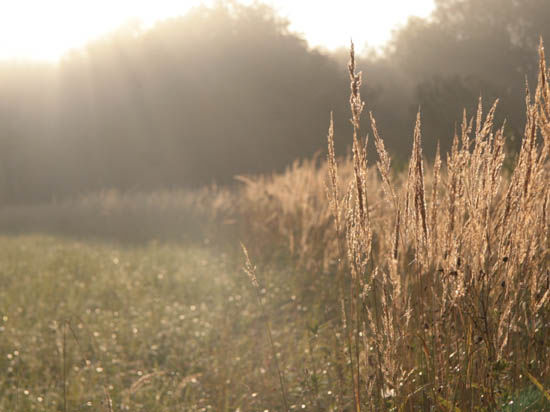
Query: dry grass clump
[[290, 209], [442, 275]]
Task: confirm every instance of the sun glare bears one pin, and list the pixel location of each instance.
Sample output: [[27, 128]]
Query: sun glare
[[368, 22], [45, 30]]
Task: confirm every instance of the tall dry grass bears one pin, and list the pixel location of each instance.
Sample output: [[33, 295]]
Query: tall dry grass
[[442, 274]]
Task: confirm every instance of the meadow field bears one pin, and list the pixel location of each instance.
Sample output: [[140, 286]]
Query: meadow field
[[334, 286]]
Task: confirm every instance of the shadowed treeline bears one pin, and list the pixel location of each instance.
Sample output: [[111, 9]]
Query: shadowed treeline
[[229, 90], [201, 97]]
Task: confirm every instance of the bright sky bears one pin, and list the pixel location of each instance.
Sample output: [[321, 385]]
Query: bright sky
[[46, 29]]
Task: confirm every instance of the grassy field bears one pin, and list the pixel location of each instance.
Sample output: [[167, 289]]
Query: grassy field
[[152, 328], [356, 288], [167, 327]]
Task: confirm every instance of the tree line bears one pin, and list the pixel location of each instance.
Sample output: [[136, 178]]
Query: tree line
[[229, 89]]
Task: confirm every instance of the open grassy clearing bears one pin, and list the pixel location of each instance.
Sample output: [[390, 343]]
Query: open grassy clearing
[[157, 328]]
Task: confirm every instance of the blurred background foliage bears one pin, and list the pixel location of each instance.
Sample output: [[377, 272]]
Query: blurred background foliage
[[230, 90]]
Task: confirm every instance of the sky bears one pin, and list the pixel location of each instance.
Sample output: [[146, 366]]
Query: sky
[[46, 29]]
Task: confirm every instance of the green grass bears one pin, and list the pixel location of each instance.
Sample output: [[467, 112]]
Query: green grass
[[529, 399], [158, 327]]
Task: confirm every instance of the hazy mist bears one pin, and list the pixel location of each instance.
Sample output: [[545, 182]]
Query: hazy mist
[[230, 90]]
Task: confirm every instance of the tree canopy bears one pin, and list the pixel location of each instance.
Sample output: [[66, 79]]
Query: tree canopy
[[229, 89]]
